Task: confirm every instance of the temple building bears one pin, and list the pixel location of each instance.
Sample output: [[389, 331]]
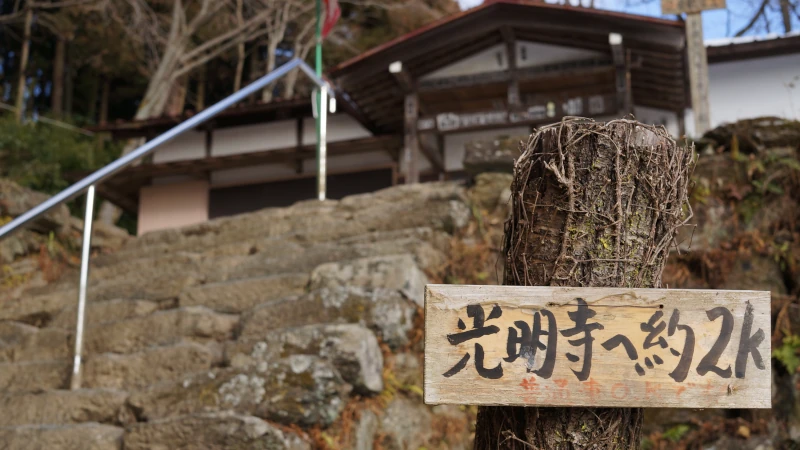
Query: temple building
[[406, 109]]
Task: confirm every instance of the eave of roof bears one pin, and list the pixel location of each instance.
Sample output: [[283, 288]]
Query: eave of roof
[[750, 47], [487, 4], [235, 115]]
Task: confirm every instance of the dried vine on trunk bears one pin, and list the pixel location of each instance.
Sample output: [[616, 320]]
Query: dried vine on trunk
[[592, 205]]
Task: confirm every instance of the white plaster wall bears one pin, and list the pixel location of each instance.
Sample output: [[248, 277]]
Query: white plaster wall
[[341, 127], [537, 54], [190, 145], [528, 54], [454, 143], [172, 205], [753, 88], [254, 138], [492, 59]]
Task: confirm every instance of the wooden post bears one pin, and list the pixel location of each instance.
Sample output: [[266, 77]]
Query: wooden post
[[514, 101], [411, 148], [592, 205], [298, 161], [696, 53], [623, 75], [698, 72]]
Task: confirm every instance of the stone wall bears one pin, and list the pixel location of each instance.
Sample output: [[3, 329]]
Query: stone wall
[[287, 328]]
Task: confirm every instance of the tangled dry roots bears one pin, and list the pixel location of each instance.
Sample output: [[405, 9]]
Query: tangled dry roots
[[598, 205]]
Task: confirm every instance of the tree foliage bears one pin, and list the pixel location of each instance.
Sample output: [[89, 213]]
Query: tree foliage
[[40, 156]]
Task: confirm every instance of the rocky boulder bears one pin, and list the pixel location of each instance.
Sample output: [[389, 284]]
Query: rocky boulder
[[352, 349], [299, 389], [384, 311], [392, 272]]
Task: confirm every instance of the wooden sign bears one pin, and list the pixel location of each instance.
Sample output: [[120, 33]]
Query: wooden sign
[[538, 110], [690, 6], [557, 346]]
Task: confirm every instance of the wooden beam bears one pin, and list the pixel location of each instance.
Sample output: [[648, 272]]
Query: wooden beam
[[432, 152], [298, 162], [540, 110], [513, 98], [352, 109], [402, 77], [411, 144], [621, 59], [568, 69], [698, 72]]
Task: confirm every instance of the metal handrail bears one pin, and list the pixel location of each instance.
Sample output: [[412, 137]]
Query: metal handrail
[[88, 184], [125, 160]]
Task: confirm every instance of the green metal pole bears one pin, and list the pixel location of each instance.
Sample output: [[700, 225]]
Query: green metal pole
[[318, 58]]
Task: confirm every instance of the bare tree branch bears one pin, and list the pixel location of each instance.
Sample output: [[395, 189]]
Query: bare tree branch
[[755, 18]]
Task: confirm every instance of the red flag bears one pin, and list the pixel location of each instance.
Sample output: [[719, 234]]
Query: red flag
[[332, 14]]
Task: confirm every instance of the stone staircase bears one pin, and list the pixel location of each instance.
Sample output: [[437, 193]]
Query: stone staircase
[[254, 331]]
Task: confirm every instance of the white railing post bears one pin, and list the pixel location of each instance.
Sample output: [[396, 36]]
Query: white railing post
[[86, 246], [323, 137]]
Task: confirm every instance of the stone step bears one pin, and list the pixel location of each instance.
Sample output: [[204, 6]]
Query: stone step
[[124, 336], [394, 272], [211, 431], [264, 264], [34, 376], [352, 349], [437, 205], [38, 310], [86, 436], [242, 295], [13, 333], [159, 287], [300, 389], [98, 313], [384, 311], [35, 344], [121, 265], [154, 365], [160, 328], [64, 407]]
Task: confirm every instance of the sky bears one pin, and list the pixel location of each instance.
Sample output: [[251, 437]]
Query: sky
[[716, 24]]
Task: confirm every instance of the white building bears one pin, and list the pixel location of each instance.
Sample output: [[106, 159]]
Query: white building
[[408, 107]]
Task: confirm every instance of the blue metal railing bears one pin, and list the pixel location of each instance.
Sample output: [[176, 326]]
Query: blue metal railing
[[88, 184]]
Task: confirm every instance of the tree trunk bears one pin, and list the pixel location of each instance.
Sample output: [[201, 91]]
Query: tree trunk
[[200, 101], [272, 48], [68, 83], [23, 64], [57, 94], [254, 66], [91, 107], [240, 55], [592, 205], [154, 104], [301, 51], [177, 97], [104, 102], [786, 15]]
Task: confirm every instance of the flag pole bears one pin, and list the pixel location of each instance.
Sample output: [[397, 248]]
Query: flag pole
[[322, 109]]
